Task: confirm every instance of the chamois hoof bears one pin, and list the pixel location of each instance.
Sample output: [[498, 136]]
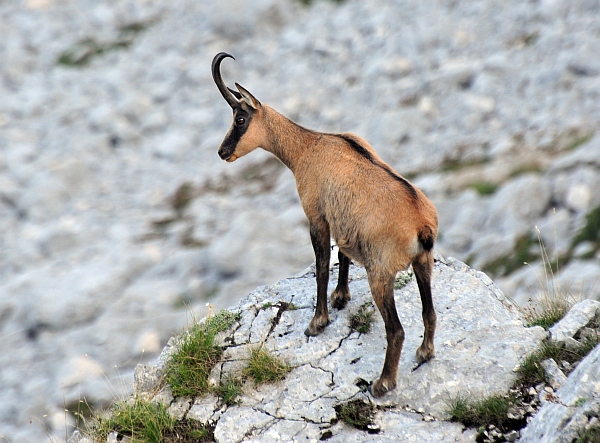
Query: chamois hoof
[[380, 387], [339, 299], [316, 327], [425, 354]]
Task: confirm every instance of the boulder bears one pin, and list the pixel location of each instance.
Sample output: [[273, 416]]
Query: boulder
[[480, 340]]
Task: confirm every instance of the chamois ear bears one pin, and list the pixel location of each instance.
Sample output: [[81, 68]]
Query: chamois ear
[[247, 97], [235, 93]]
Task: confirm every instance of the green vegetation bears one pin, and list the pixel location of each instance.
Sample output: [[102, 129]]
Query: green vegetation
[[452, 165], [402, 279], [550, 311], [222, 321], [229, 390], [188, 369], [82, 53], [491, 410], [522, 254], [146, 422], [264, 367], [531, 372], [356, 413], [590, 232], [187, 373], [589, 435], [526, 169], [579, 141], [139, 420], [495, 412], [547, 319], [581, 401], [87, 49], [362, 320], [81, 411], [484, 188]]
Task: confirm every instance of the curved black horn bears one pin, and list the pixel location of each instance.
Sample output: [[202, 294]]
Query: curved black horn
[[216, 73]]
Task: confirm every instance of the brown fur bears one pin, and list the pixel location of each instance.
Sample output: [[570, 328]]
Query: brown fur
[[376, 218]]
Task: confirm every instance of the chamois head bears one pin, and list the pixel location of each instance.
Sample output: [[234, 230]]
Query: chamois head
[[244, 136]]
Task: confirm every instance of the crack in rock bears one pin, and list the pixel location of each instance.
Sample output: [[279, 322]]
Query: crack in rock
[[281, 306]]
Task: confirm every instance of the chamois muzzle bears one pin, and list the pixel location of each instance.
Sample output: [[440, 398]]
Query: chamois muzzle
[[216, 73]]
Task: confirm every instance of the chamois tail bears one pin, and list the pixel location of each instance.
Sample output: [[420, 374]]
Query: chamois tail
[[426, 238]]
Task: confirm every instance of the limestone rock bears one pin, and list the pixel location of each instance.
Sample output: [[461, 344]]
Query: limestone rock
[[480, 340], [577, 318], [559, 420], [555, 376]]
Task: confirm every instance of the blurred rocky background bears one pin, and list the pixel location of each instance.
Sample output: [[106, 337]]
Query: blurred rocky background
[[118, 221]]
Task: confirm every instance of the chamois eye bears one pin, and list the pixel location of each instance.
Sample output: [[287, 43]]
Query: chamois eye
[[240, 121]]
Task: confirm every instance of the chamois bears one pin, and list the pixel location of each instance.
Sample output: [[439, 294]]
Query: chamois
[[376, 217]]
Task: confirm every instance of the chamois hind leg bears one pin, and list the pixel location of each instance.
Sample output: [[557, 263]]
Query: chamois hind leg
[[341, 294], [319, 235], [382, 289], [423, 267]]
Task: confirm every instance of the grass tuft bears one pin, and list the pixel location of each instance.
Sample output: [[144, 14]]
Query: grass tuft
[[356, 413], [491, 410], [553, 303], [188, 369], [362, 320], [264, 367], [141, 421], [548, 313], [402, 279], [530, 371], [222, 321], [229, 390]]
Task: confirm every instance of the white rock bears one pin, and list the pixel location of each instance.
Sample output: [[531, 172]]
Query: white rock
[[577, 318]]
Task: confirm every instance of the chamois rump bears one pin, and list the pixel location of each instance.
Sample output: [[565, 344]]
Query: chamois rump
[[376, 217]]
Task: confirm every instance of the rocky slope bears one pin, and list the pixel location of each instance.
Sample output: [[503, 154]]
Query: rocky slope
[[476, 357], [117, 216]]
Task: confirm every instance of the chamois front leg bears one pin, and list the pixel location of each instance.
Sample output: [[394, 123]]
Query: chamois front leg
[[341, 294], [319, 235], [382, 289]]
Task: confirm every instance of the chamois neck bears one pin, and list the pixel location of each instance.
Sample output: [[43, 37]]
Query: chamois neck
[[287, 140]]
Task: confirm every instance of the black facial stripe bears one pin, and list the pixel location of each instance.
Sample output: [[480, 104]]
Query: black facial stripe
[[237, 131], [367, 155]]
